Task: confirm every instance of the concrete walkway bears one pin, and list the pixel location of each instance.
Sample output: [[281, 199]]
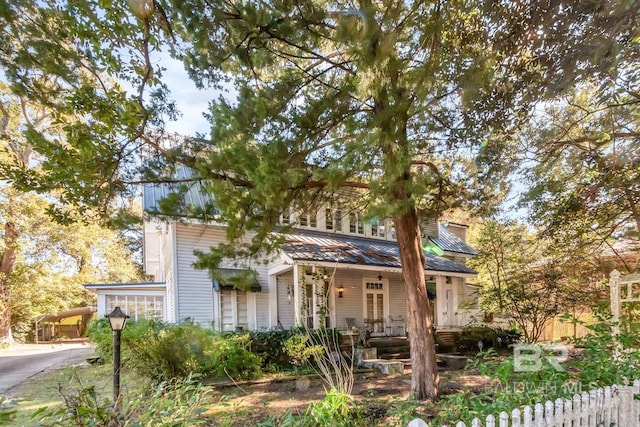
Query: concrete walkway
[[20, 362]]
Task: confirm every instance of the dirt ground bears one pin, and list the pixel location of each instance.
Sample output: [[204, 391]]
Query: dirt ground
[[255, 402]]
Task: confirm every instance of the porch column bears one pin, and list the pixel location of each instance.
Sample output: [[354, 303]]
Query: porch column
[[297, 297], [273, 301], [252, 314]]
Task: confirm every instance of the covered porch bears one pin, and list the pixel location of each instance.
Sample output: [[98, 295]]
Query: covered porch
[[356, 284]]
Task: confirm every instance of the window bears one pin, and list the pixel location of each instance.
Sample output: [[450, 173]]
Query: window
[[355, 224], [233, 310], [286, 216], [378, 228], [308, 220], [329, 219], [138, 306]]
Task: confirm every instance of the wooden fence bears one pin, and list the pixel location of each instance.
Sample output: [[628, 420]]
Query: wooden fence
[[603, 407]]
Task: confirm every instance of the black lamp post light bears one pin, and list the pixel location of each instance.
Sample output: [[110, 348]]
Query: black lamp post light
[[117, 320]]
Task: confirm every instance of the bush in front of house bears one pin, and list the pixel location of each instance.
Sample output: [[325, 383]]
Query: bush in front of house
[[270, 347], [163, 352], [490, 337], [281, 350]]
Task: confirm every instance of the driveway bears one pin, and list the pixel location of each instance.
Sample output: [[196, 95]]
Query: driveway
[[20, 362]]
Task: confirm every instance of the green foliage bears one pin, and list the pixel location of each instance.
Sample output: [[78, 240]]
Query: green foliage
[[300, 349], [510, 389], [164, 352], [609, 358], [7, 409], [174, 403], [270, 347], [603, 358], [530, 277], [401, 412], [335, 409], [490, 337]]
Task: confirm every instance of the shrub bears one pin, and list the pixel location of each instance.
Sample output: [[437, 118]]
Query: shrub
[[490, 337], [300, 350], [335, 409], [163, 352], [174, 403], [231, 357], [270, 347]]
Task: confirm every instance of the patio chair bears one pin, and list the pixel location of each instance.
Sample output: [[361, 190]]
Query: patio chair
[[351, 323]]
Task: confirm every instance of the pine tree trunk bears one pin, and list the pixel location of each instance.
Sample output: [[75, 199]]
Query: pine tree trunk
[[424, 371], [6, 269]]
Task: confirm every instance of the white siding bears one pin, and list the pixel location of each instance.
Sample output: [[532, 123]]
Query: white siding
[[195, 289], [169, 273]]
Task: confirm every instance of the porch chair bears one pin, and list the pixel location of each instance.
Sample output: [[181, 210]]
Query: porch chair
[[350, 322], [388, 326]]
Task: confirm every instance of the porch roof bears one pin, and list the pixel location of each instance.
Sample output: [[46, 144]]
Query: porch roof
[[349, 250]]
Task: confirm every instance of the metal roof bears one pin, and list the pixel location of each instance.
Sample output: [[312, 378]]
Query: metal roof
[[448, 241], [347, 250], [195, 196]]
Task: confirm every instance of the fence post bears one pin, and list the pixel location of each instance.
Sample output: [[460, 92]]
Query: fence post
[[528, 416], [539, 415], [417, 422], [568, 412], [504, 419], [577, 410], [636, 403], [593, 408], [559, 412], [491, 421], [584, 414], [606, 412], [548, 413], [460, 424], [515, 418], [626, 406]]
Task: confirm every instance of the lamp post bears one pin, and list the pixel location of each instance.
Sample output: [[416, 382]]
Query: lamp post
[[117, 320]]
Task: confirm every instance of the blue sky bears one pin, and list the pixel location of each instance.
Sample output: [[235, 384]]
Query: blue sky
[[190, 101]]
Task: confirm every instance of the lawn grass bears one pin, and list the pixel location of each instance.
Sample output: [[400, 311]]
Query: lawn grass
[[47, 389]]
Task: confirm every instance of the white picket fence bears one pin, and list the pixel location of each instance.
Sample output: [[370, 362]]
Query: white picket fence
[[603, 407]]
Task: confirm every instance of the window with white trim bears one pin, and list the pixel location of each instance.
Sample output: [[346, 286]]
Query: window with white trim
[[233, 310], [355, 224], [137, 306]]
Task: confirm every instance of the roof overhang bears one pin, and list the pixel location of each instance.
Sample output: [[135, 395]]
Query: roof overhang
[[235, 279], [143, 285]]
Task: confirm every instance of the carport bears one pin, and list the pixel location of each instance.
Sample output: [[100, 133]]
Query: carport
[[70, 323]]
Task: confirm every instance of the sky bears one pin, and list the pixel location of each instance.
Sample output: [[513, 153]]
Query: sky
[[191, 101]]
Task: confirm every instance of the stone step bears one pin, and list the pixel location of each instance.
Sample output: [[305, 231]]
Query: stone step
[[387, 367]]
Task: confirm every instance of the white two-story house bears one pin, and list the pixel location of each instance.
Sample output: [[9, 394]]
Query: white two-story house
[[333, 268]]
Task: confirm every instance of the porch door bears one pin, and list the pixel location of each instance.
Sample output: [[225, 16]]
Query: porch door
[[375, 304], [448, 308]]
